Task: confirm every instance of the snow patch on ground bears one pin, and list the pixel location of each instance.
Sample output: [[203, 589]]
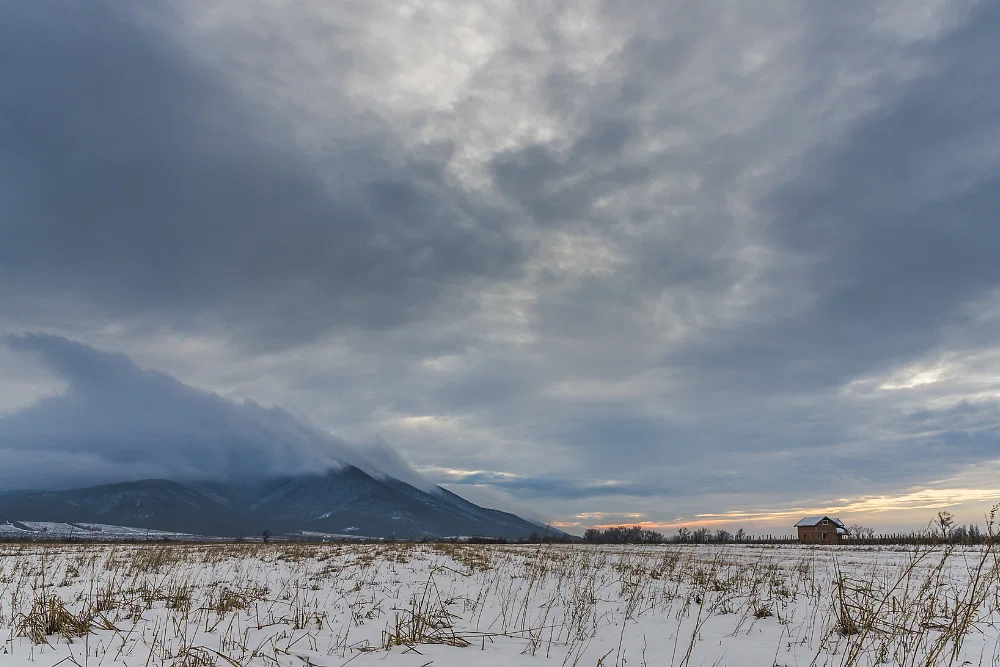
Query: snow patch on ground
[[50, 530]]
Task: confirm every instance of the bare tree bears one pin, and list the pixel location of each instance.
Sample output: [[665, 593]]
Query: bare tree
[[944, 522], [863, 532]]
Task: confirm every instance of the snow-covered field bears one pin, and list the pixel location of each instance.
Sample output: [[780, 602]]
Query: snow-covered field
[[50, 530], [468, 605]]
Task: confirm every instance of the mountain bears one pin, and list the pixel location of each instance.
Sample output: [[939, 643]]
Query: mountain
[[343, 501], [153, 503], [132, 419]]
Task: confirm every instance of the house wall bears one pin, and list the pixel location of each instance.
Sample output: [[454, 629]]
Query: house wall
[[814, 534]]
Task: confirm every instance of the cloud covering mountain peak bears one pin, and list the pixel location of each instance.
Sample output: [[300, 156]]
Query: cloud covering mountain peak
[[117, 421]]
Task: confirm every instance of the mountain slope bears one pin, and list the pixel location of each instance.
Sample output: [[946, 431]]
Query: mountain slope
[[351, 500], [157, 504], [347, 500]]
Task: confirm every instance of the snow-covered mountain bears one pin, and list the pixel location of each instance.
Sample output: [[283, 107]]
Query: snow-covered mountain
[[340, 501]]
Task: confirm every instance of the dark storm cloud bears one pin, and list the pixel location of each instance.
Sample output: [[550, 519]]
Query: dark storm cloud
[[136, 181], [118, 422]]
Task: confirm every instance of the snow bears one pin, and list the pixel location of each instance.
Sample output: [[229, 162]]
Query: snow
[[50, 530], [814, 521], [329, 604], [334, 536]]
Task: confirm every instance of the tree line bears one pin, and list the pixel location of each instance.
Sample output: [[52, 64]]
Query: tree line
[[942, 529], [639, 535]]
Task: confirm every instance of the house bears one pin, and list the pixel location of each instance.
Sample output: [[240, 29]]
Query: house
[[821, 530]]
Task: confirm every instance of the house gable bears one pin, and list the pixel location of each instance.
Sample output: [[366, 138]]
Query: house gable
[[818, 520]]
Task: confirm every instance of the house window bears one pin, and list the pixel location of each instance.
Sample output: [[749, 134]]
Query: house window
[[826, 522], [824, 537]]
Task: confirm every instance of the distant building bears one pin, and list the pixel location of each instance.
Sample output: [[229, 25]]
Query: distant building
[[821, 530]]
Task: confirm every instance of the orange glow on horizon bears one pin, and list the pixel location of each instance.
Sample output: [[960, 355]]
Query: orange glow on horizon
[[857, 509]]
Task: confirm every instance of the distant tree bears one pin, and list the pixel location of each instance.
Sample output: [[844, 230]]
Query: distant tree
[[741, 535], [652, 537], [617, 535], [944, 522], [267, 536], [683, 535], [723, 535], [863, 532]]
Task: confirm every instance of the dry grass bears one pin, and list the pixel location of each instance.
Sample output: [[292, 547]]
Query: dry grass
[[198, 605], [49, 616]]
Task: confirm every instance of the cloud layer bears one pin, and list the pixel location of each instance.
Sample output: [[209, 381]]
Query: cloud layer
[[116, 422], [602, 258], [146, 183]]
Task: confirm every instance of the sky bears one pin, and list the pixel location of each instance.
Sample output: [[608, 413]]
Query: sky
[[674, 263]]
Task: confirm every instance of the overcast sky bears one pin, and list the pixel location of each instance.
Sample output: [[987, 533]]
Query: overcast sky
[[671, 262]]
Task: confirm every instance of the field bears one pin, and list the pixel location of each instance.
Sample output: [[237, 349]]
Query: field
[[459, 605]]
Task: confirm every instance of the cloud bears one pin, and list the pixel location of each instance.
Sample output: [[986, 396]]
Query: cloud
[[542, 486], [118, 422], [726, 257], [890, 221], [140, 183]]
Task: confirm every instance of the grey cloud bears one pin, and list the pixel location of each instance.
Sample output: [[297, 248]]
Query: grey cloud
[[118, 422], [887, 234], [884, 234], [556, 487], [139, 183], [775, 234], [876, 243], [894, 222]]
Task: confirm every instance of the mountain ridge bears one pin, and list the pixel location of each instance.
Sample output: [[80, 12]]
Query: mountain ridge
[[337, 501]]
